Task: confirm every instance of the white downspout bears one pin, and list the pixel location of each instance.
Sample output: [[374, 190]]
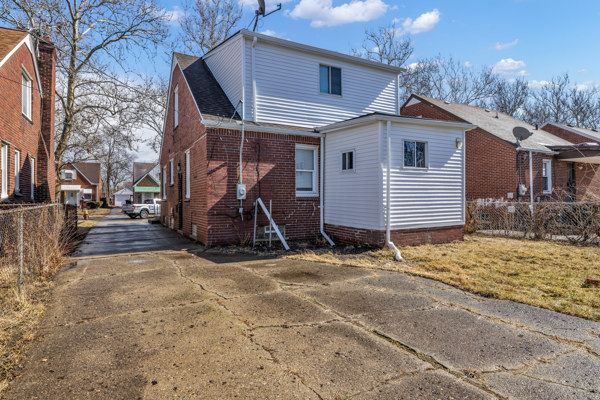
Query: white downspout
[[388, 231], [254, 40], [322, 193], [531, 180]]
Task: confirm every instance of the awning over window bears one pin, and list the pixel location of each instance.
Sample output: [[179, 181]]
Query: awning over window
[[581, 153], [146, 189], [69, 188]]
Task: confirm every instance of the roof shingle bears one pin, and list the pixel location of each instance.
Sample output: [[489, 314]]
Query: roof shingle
[[9, 38]]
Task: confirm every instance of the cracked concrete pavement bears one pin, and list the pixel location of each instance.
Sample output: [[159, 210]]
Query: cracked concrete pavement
[[138, 321]]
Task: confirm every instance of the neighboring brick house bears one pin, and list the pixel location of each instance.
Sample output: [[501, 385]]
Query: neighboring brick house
[[27, 87], [80, 182], [260, 114], [146, 182], [586, 175], [497, 166]]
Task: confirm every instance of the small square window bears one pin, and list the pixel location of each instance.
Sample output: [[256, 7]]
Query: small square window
[[415, 154], [348, 161], [330, 80]]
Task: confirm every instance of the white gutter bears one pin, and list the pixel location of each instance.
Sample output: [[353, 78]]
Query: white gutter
[[388, 231], [322, 194], [367, 119], [259, 128], [254, 40]]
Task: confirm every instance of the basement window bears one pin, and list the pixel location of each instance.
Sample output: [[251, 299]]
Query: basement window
[[415, 154], [330, 79], [348, 161], [306, 170]]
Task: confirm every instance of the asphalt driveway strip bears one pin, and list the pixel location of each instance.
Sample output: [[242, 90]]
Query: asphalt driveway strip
[[161, 324]]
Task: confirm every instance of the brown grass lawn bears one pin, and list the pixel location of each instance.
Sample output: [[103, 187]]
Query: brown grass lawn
[[542, 273]]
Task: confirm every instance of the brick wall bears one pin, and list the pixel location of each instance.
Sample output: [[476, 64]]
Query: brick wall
[[79, 180], [405, 237], [45, 166], [567, 135], [15, 129]]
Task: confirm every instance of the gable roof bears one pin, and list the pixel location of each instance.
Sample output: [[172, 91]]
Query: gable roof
[[498, 124], [141, 169], [90, 170], [588, 133], [208, 94]]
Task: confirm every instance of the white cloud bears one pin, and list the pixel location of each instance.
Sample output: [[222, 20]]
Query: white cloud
[[423, 23], [270, 32], [322, 12], [506, 45], [468, 64], [537, 84], [510, 67], [174, 15]]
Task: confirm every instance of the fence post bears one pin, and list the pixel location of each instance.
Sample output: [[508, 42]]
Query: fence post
[[21, 254]]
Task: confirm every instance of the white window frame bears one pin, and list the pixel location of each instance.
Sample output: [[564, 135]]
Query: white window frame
[[315, 191], [171, 172], [343, 154], [17, 171], [426, 154], [26, 94], [32, 178], [4, 170], [548, 163], [187, 175], [164, 182], [176, 107], [69, 171]]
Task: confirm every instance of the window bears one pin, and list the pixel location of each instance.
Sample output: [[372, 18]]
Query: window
[[306, 170], [26, 95], [348, 161], [171, 173], [164, 181], [4, 168], [547, 176], [415, 154], [330, 79], [68, 175], [32, 178], [17, 171], [187, 175], [176, 107]]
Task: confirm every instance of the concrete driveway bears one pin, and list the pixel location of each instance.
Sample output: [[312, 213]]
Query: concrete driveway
[[175, 324]]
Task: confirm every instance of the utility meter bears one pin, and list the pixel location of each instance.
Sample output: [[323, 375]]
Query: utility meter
[[241, 191]]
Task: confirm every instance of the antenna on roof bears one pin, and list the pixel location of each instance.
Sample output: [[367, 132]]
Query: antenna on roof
[[260, 12], [521, 133]]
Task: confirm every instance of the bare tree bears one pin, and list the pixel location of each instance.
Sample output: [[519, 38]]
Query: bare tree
[[509, 97], [206, 23], [448, 79], [550, 102], [151, 106], [95, 41], [385, 45], [583, 106], [116, 160]]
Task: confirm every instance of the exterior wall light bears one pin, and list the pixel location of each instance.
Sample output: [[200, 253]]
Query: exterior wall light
[[459, 143]]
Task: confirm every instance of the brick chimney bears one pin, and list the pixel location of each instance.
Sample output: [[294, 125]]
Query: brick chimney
[[46, 174]]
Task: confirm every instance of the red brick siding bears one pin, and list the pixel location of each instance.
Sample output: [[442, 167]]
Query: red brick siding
[[45, 164], [567, 135], [80, 179], [404, 237]]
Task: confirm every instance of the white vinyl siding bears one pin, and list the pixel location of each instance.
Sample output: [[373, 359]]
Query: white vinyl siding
[[353, 199], [17, 171], [187, 175], [176, 107], [306, 170], [287, 88], [26, 96], [4, 170], [226, 64], [547, 176], [431, 196]]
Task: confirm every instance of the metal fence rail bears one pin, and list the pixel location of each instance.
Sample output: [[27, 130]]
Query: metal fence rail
[[33, 241], [576, 222]]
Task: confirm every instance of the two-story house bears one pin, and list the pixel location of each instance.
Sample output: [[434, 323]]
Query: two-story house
[[546, 165], [27, 79], [306, 130], [81, 182], [146, 181]]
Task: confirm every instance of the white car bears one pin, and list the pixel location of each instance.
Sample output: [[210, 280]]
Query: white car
[[149, 207]]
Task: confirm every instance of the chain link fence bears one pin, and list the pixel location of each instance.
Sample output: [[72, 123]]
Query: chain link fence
[[33, 242], [576, 222]]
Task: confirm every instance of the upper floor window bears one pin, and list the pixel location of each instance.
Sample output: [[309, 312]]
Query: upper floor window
[[26, 99], [415, 154], [330, 79], [176, 107], [306, 170], [68, 175], [547, 176], [348, 161]]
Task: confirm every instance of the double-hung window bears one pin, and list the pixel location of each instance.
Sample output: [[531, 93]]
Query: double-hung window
[[17, 171], [176, 107], [330, 79], [547, 176], [26, 99], [164, 182], [415, 154], [348, 161], [187, 175], [171, 172], [4, 167], [306, 170]]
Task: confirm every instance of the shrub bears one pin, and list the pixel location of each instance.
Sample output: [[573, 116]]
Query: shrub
[[93, 204]]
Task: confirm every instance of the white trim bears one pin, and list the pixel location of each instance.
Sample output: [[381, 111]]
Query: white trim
[[547, 162], [17, 171], [29, 42], [32, 177], [315, 191], [404, 166], [26, 94], [370, 118], [4, 170], [188, 175], [348, 170], [164, 182], [171, 172]]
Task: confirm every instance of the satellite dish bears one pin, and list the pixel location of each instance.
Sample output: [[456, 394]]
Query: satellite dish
[[521, 133], [261, 7]]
